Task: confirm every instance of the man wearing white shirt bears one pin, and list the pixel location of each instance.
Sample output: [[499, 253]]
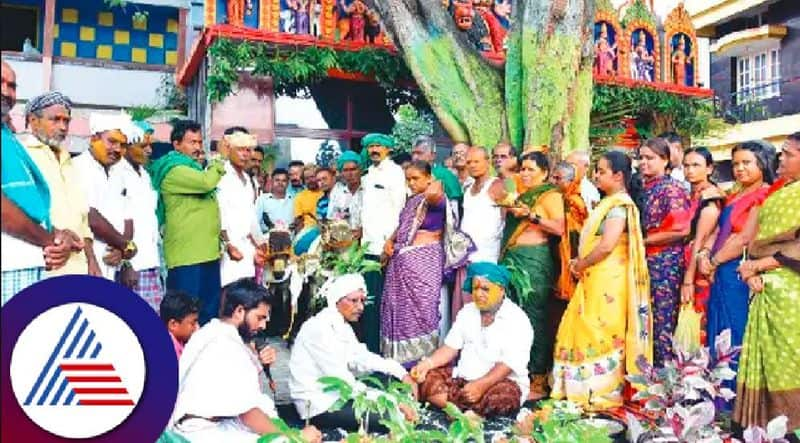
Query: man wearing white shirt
[[276, 208], [143, 272], [492, 338], [384, 197], [105, 192], [237, 209], [580, 160], [222, 387], [326, 346]]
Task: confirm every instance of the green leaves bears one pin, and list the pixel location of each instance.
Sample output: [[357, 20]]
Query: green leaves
[[689, 116], [411, 124], [284, 434], [293, 69]]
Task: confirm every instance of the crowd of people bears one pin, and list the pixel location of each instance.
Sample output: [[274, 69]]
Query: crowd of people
[[504, 276]]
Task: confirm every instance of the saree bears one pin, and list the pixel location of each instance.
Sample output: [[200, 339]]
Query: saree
[[608, 323], [729, 299], [667, 202], [768, 385], [533, 275], [575, 214], [411, 294], [700, 199]]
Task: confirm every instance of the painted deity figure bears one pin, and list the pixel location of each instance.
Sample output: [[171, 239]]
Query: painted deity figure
[[316, 18], [301, 9], [463, 15], [642, 61], [604, 54], [357, 13], [373, 28], [680, 62], [497, 33]]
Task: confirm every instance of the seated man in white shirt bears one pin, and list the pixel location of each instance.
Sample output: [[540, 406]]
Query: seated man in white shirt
[[327, 347], [494, 336], [222, 387]]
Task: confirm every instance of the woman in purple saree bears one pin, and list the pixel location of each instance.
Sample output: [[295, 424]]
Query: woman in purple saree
[[425, 245]]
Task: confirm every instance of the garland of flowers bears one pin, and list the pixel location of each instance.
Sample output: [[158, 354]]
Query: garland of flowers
[[293, 69]]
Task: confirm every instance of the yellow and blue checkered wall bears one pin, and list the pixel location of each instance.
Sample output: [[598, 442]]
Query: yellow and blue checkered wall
[[88, 29]]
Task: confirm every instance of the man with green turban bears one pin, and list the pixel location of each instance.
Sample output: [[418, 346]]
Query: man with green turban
[[384, 196], [491, 376], [347, 194]]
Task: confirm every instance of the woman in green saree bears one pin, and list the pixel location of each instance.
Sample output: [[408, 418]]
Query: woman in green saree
[[768, 382], [535, 219]]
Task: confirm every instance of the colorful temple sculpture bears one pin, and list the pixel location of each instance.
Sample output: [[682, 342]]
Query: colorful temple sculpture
[[680, 36], [633, 48]]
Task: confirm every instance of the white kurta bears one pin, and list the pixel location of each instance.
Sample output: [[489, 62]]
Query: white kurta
[[483, 347], [219, 376], [384, 197], [105, 193], [237, 211], [142, 200], [327, 347]]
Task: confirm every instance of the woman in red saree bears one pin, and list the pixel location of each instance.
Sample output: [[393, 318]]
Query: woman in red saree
[[705, 204]]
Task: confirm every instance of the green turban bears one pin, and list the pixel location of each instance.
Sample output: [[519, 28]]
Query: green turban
[[496, 274], [346, 157], [377, 139]]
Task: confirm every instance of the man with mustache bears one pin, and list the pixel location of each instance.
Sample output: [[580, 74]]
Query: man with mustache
[[327, 347], [296, 185], [221, 375], [188, 210], [142, 273], [491, 373], [29, 241], [48, 117], [105, 192], [384, 197]]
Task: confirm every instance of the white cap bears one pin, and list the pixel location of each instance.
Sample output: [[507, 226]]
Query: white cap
[[106, 122], [339, 287], [133, 133]]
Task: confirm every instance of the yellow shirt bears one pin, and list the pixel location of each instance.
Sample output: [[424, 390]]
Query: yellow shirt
[[305, 205], [68, 207]]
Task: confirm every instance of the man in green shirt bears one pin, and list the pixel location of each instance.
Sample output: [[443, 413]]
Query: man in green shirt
[[425, 149], [189, 216]]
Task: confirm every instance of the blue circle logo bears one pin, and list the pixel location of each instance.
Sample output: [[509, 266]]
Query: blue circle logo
[[85, 358]]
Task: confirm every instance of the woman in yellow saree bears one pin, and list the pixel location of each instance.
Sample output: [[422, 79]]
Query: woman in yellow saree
[[608, 323]]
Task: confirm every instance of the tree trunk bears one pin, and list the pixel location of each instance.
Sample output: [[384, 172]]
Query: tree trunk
[[464, 91], [544, 97]]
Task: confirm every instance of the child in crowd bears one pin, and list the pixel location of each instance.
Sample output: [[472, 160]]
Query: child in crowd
[[180, 313]]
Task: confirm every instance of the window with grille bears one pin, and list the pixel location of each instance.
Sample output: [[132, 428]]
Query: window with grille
[[758, 76]]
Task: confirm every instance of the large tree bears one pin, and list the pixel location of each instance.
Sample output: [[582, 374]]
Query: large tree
[[542, 95]]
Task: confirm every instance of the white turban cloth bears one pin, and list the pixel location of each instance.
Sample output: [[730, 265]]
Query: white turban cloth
[[339, 287], [99, 123]]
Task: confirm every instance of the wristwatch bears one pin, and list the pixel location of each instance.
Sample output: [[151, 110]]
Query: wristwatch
[[130, 246], [536, 219]]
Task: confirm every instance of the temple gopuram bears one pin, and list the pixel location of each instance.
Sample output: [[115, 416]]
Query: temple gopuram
[[353, 93]]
